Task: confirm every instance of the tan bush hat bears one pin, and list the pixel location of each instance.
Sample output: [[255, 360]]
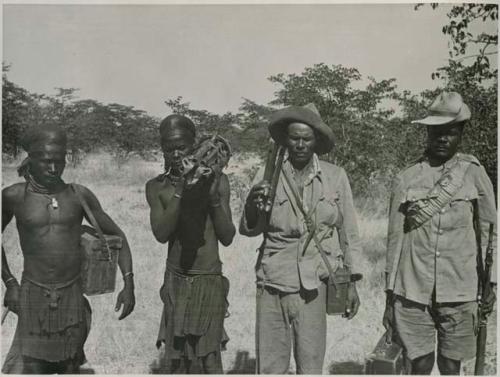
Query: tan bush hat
[[307, 114], [448, 107]]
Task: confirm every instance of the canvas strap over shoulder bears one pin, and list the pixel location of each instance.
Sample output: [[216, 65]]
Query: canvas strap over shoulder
[[312, 230], [439, 196], [90, 215]]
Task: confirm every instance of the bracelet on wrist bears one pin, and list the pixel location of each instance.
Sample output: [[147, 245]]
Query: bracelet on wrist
[[9, 280], [178, 196], [128, 274]]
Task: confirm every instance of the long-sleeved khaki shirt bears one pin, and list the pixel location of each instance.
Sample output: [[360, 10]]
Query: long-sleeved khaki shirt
[[441, 253], [282, 263]]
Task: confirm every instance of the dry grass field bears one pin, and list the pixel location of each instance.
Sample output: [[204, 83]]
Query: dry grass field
[[128, 346]]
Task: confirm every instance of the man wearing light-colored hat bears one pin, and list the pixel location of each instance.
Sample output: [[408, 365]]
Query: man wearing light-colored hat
[[291, 275], [431, 276]]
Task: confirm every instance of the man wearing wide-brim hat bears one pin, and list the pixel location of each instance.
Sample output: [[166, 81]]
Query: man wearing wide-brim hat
[[432, 282], [291, 274]]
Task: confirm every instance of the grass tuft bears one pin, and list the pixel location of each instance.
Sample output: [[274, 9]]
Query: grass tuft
[[128, 346]]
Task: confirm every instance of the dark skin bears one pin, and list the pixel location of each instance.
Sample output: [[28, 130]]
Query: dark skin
[[300, 143], [164, 201], [50, 237], [167, 200], [198, 216], [442, 144]]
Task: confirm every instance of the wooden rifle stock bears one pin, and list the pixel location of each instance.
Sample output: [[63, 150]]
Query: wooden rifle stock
[[270, 162], [484, 292], [272, 172]]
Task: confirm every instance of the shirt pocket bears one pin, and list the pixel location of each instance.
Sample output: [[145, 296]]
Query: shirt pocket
[[459, 213], [327, 211], [283, 220]]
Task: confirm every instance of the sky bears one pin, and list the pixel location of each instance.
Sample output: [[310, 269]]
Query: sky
[[214, 55]]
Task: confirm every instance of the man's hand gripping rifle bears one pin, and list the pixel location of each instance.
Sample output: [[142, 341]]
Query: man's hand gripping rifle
[[272, 172]]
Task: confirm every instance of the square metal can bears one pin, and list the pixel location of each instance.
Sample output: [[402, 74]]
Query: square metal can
[[386, 359], [99, 265]]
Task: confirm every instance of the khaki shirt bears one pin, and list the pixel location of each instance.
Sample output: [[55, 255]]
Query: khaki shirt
[[282, 263], [441, 253]]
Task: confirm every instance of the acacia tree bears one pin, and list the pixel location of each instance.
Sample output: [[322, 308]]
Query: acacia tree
[[133, 132], [90, 125], [468, 50], [471, 73], [225, 125], [20, 109], [358, 120]]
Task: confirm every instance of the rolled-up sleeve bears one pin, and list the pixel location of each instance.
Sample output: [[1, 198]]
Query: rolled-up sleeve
[[395, 232], [350, 222], [259, 227], [487, 215]]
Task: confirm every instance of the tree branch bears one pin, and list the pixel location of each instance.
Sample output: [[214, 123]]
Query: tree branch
[[474, 56]]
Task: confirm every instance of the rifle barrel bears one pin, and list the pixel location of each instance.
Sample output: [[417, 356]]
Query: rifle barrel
[[481, 349], [484, 289]]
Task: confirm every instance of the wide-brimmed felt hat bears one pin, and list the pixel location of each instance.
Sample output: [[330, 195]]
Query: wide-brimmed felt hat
[[307, 114], [447, 108]]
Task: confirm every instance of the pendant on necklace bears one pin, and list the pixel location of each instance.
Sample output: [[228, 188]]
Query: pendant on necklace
[[54, 203]]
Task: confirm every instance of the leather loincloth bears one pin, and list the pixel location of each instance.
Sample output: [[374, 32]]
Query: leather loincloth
[[53, 322], [195, 306]]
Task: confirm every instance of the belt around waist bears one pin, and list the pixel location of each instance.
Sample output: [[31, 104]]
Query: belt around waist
[[51, 289], [52, 286], [192, 272]]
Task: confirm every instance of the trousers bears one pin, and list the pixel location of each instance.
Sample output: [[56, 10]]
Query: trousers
[[286, 319], [453, 322]]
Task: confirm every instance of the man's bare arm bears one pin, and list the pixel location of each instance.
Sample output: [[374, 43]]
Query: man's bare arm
[[7, 215], [164, 204], [220, 211], [108, 226], [11, 299]]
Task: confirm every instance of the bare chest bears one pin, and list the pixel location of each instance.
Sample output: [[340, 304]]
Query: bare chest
[[41, 210]]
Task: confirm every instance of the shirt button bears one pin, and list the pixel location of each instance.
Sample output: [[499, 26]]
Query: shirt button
[[438, 253], [443, 210], [440, 231]]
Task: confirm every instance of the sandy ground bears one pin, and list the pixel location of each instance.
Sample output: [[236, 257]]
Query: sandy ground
[[128, 346]]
